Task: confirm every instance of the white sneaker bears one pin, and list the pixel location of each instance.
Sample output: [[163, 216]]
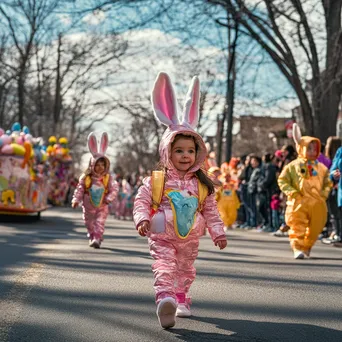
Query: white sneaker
[[183, 310], [95, 243], [166, 311], [298, 255]]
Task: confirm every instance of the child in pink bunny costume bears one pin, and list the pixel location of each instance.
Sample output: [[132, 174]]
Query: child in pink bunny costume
[[174, 229], [96, 189]]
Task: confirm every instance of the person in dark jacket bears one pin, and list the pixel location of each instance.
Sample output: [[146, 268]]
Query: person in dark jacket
[[253, 190], [267, 187], [244, 176]]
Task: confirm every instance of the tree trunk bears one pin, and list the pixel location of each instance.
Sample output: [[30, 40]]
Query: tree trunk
[[57, 105], [327, 91], [21, 95]]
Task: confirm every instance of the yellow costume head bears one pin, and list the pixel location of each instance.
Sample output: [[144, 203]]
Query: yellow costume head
[[307, 147]]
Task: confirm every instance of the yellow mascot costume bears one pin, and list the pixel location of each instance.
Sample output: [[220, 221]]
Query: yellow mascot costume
[[228, 202], [306, 184]]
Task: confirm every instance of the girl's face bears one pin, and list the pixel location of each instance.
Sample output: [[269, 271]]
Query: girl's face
[[311, 152], [100, 167], [183, 154]]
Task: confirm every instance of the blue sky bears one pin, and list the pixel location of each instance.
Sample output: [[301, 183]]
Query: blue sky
[[263, 83]]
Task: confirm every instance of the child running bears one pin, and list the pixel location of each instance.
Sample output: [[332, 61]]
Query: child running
[[182, 199], [306, 184], [96, 189]]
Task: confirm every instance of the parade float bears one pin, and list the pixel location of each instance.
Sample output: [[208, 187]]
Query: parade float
[[23, 172], [60, 174]]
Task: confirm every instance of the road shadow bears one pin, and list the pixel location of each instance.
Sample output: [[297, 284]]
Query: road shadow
[[245, 330]]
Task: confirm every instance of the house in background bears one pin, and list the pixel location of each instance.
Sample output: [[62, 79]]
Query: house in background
[[259, 134], [255, 134]]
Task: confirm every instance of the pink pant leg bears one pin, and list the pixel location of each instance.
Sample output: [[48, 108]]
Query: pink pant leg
[[99, 224], [89, 216], [186, 272], [164, 268], [173, 269], [95, 219]]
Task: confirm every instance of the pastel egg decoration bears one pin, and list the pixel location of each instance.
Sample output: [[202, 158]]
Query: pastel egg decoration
[[18, 150], [28, 137], [16, 127], [7, 149], [5, 140]]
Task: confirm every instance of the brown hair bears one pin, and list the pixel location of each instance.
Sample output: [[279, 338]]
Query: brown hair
[[332, 145]]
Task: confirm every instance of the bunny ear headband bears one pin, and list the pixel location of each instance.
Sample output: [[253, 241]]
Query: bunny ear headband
[[92, 144], [297, 135], [165, 106]]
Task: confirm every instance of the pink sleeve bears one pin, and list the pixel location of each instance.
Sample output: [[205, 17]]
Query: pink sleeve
[[113, 190], [213, 220], [79, 191], [143, 202]]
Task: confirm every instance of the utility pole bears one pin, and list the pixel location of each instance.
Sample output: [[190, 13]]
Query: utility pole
[[231, 77], [220, 128]]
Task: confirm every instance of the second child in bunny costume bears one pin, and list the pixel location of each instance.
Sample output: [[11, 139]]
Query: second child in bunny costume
[[175, 227], [306, 184], [96, 189]]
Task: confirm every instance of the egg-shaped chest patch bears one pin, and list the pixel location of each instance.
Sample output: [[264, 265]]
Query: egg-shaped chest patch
[[184, 207]]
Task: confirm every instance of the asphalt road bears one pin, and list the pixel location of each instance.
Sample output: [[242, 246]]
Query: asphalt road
[[53, 287]]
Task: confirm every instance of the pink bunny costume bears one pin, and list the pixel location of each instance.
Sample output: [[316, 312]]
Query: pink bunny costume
[[93, 191], [175, 255]]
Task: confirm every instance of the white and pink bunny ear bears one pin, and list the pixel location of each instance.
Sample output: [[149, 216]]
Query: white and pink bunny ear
[[104, 143], [164, 100], [191, 105], [92, 143], [297, 135]]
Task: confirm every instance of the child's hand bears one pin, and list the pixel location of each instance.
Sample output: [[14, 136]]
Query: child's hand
[[74, 204], [337, 174], [143, 228], [221, 243]]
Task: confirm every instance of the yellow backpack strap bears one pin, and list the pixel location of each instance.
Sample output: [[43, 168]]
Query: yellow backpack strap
[[87, 182], [157, 182], [202, 194], [105, 181]]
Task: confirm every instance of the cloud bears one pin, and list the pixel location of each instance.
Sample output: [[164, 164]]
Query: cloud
[[94, 18], [65, 19]]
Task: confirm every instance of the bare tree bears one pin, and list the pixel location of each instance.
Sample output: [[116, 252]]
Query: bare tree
[[284, 28], [24, 19], [7, 80]]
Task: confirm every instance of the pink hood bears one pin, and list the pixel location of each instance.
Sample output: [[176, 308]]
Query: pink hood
[[98, 152]]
